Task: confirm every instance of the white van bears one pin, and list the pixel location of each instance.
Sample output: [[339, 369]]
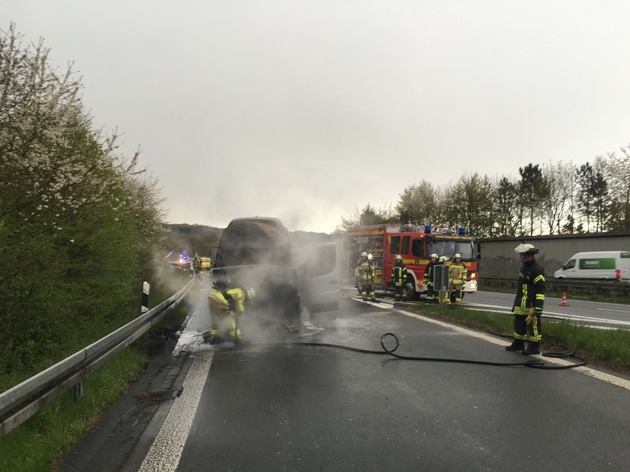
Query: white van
[[290, 283], [603, 265]]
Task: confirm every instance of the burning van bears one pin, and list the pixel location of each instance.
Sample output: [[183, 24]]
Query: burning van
[[257, 252]]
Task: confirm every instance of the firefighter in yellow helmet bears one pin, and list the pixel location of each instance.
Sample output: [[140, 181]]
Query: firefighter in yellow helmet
[[529, 302], [432, 296], [226, 307], [399, 278], [456, 278], [366, 276]]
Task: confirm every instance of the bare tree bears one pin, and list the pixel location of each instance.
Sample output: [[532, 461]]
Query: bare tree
[[585, 192], [468, 204], [616, 169], [507, 208], [533, 192], [601, 198], [369, 216], [419, 204], [559, 178]]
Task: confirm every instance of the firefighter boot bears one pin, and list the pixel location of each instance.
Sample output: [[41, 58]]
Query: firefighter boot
[[216, 339], [517, 345], [236, 336], [215, 336], [532, 348]]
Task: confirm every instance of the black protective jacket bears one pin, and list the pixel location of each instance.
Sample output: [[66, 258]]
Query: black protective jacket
[[530, 291]]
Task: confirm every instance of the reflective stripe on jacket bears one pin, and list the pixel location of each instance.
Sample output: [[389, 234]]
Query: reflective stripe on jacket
[[399, 275], [365, 270], [428, 273], [457, 272], [530, 290]]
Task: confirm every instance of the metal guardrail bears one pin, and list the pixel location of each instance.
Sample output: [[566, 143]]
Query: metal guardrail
[[21, 402], [599, 287]]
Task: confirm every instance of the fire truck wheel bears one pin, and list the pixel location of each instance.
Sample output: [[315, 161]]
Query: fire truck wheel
[[410, 291]]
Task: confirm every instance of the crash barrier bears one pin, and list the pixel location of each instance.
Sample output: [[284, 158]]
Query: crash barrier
[[25, 399], [586, 287]]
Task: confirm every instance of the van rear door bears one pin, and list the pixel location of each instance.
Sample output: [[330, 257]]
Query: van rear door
[[624, 265], [319, 280]]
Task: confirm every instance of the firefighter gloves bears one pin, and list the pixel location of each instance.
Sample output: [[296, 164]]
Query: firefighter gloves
[[531, 317]]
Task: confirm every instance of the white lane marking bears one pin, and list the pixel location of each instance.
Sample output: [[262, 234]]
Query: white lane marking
[[627, 312], [167, 448], [611, 379], [484, 305], [554, 314]]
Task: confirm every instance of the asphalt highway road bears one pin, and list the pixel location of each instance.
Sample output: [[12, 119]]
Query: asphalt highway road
[[613, 315], [279, 404]]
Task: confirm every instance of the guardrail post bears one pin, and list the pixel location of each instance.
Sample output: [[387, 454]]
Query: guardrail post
[[440, 281], [145, 296], [77, 391]]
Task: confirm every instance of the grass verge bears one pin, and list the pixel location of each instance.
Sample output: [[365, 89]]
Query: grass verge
[[36, 445], [607, 349]]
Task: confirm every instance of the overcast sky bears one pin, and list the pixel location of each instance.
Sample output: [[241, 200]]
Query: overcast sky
[[309, 109]]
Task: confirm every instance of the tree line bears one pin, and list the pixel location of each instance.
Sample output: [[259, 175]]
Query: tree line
[[78, 220], [553, 198]]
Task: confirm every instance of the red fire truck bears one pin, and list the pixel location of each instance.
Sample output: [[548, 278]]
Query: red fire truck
[[415, 245]]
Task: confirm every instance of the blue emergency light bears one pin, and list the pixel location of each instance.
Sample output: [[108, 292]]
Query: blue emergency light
[[461, 231], [427, 229]]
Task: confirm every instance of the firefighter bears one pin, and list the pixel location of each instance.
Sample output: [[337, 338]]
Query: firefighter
[[226, 307], [529, 302], [432, 296], [456, 278], [196, 263], [399, 278], [366, 275]]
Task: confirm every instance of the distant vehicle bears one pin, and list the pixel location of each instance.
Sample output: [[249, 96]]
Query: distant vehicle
[[602, 265], [257, 252], [184, 260], [206, 263]]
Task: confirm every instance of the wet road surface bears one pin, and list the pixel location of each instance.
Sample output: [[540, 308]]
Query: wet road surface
[[278, 404]]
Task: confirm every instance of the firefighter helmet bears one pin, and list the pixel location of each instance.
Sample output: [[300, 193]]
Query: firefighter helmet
[[457, 255], [434, 256], [364, 254], [526, 249], [398, 257], [443, 259], [251, 293]]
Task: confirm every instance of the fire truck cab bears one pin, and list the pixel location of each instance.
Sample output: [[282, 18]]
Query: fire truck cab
[[415, 245]]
